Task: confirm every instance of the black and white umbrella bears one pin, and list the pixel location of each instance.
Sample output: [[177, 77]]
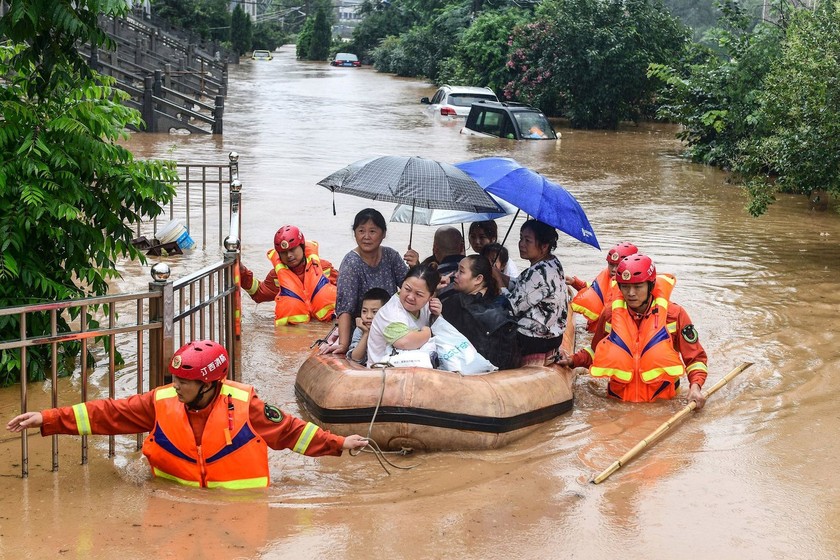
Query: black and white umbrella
[[414, 181]]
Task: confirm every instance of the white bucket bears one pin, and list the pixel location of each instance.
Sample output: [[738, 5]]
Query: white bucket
[[176, 231]]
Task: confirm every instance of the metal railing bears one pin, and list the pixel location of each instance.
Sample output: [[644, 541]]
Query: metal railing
[[144, 326]]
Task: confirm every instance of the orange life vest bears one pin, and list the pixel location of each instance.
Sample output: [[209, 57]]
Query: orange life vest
[[640, 359], [227, 458], [591, 301], [297, 301]]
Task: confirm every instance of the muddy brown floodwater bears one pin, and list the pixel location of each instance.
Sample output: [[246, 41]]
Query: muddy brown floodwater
[[750, 477]]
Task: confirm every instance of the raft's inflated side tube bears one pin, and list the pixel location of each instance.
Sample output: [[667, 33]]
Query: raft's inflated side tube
[[433, 409]]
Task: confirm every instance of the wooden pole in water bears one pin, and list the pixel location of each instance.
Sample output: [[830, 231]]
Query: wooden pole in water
[[657, 433]]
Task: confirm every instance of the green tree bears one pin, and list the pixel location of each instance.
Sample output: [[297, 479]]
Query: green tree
[[587, 59], [714, 94], [424, 47], [212, 20], [179, 13], [240, 31], [209, 19], [304, 38], [319, 46], [69, 193], [269, 35], [381, 20], [798, 114], [482, 53]]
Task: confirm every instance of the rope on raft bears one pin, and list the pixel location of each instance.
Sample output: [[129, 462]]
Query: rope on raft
[[374, 447]]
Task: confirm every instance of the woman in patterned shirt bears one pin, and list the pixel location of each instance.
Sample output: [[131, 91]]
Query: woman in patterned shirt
[[538, 296]]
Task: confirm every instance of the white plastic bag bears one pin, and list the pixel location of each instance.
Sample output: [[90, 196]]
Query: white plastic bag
[[456, 352], [414, 358]]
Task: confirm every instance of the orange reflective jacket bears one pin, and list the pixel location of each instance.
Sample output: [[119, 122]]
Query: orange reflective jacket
[[592, 300], [639, 358], [297, 301], [231, 454]]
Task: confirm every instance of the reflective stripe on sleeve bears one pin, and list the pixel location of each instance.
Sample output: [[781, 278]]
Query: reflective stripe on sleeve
[[82, 419], [255, 285], [305, 438], [697, 366]]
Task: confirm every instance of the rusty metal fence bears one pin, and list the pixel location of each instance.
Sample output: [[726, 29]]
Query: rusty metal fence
[[146, 327]]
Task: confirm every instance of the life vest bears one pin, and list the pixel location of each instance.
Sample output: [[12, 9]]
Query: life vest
[[640, 359], [590, 301], [227, 458], [297, 301]]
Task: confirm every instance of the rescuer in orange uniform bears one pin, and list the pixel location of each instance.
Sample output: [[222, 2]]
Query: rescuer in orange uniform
[[300, 282], [204, 430], [644, 343], [591, 299]]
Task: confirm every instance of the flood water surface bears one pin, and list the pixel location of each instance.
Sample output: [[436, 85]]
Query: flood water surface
[[749, 477]]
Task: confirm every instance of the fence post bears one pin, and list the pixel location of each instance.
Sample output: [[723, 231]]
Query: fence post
[[201, 86], [161, 310], [218, 113], [158, 85], [167, 75], [233, 166], [149, 104], [138, 51], [93, 62], [233, 303]]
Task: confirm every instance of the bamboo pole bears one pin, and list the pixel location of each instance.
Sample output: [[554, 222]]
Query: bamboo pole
[[673, 420]]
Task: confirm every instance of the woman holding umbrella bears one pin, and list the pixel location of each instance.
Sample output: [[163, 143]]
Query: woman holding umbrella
[[369, 265], [538, 296]]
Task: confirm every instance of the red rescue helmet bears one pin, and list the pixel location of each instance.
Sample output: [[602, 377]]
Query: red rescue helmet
[[635, 269], [620, 251], [288, 237], [204, 360]]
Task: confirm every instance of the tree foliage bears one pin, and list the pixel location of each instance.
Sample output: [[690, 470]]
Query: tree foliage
[[798, 114], [480, 57], [421, 49], [386, 19], [241, 32], [209, 19], [304, 38], [713, 94], [319, 45], [69, 193], [587, 59], [268, 35]]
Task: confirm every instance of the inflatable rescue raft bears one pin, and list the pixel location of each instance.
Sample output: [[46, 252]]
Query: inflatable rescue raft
[[427, 409]]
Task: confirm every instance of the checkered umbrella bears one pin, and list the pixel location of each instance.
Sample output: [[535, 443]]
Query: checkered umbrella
[[414, 181]]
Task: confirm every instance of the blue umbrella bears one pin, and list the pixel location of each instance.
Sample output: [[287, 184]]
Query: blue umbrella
[[533, 194]]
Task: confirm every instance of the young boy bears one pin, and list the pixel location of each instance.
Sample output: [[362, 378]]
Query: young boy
[[497, 255], [372, 301]]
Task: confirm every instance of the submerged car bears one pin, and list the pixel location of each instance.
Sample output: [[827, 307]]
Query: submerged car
[[508, 120], [261, 55], [455, 101], [345, 59]]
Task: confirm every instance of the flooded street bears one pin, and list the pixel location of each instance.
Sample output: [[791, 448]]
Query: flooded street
[[749, 477]]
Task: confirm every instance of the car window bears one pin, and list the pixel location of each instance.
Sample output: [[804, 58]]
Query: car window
[[467, 99], [489, 122], [534, 126], [437, 97]]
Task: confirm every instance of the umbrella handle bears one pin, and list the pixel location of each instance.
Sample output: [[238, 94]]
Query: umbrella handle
[[511, 226], [411, 227]]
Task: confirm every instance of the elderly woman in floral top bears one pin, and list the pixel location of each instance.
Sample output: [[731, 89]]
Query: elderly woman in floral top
[[538, 296]]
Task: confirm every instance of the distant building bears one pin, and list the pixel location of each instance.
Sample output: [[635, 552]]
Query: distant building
[[347, 16], [140, 7], [250, 7]]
